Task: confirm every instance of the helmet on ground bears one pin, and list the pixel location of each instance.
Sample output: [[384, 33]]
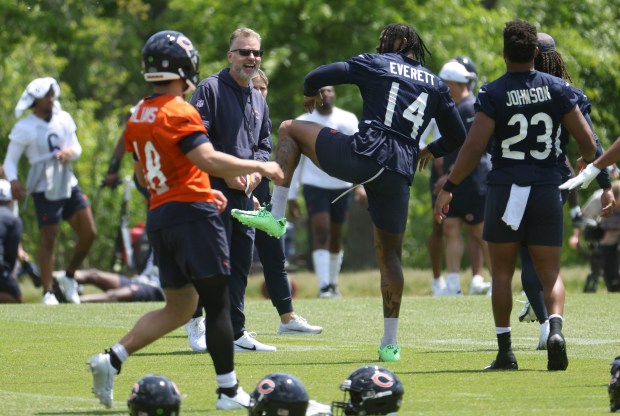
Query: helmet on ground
[[154, 395], [373, 390], [169, 55], [471, 67], [279, 394], [614, 386]]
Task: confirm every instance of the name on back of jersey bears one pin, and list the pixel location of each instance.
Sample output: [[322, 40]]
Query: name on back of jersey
[[144, 114], [408, 71], [528, 96]]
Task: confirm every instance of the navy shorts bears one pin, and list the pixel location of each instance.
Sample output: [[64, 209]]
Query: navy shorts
[[468, 208], [542, 222], [142, 292], [8, 284], [388, 194], [51, 212], [320, 200], [190, 251]]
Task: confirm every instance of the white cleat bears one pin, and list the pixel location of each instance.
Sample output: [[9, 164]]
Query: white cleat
[[439, 287], [196, 334], [527, 314], [248, 343], [49, 299], [298, 325], [240, 401], [544, 336], [479, 286], [103, 378], [69, 288]]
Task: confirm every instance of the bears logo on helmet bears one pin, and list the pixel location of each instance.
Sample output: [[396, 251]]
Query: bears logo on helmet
[[154, 395], [279, 394], [169, 55], [373, 390]]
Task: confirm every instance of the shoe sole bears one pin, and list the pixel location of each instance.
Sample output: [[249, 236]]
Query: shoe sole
[[292, 332], [557, 360]]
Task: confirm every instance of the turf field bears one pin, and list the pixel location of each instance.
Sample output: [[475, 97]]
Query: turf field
[[445, 343]]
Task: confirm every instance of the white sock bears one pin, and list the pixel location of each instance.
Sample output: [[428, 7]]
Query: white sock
[[454, 281], [390, 331], [227, 380], [278, 201], [555, 315], [335, 262], [502, 329], [320, 260], [120, 351]]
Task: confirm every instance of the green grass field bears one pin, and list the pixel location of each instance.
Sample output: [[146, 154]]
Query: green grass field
[[445, 343]]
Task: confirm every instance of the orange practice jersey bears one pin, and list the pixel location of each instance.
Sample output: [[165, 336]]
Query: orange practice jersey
[[153, 133]]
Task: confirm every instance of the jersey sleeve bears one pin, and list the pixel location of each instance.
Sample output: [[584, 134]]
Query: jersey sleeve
[[181, 122]]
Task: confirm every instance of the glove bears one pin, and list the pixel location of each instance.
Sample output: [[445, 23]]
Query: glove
[[584, 178]]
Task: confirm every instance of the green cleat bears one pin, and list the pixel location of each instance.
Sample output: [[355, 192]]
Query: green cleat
[[261, 219], [389, 353]]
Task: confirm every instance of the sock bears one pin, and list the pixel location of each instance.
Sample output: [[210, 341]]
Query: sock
[[321, 263], [555, 324], [454, 282], [227, 381], [503, 341], [278, 201], [335, 263], [390, 331], [118, 355]]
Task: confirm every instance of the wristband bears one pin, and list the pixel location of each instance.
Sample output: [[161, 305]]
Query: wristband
[[448, 186]]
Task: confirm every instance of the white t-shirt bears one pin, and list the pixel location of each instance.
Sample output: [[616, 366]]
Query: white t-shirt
[[307, 173], [40, 140]]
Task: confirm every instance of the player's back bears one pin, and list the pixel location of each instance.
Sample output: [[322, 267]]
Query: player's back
[[153, 132]]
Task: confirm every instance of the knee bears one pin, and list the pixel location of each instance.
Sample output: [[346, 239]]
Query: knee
[[283, 131]]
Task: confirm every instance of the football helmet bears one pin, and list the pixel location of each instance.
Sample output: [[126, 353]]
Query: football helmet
[[169, 55], [279, 394], [373, 390], [614, 386], [471, 67], [154, 395]]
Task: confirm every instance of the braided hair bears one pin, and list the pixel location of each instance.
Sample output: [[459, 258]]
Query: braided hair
[[552, 63], [520, 41], [399, 31]]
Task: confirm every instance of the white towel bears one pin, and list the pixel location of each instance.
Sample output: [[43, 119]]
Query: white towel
[[516, 206]]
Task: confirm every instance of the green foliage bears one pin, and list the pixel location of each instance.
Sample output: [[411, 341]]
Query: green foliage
[[93, 49]]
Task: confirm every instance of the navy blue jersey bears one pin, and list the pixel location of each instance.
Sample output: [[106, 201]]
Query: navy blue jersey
[[527, 108], [476, 182], [400, 99]]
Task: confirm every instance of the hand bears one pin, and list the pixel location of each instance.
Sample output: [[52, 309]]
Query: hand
[[310, 103], [608, 202], [111, 180], [256, 203], [238, 182], [64, 155], [17, 190], [580, 164], [255, 179], [573, 240], [423, 158], [273, 171], [584, 178], [293, 209], [442, 205], [439, 184], [220, 200], [360, 196]]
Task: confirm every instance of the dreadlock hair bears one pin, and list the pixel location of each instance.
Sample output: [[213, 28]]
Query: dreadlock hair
[[398, 31], [552, 63], [520, 41]]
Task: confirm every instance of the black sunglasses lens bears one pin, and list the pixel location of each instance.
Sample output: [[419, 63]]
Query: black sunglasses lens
[[247, 52]]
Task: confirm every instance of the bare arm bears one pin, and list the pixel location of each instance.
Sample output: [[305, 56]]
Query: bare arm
[[578, 127]]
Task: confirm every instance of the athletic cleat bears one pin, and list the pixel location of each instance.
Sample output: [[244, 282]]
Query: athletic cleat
[[298, 325], [239, 401], [439, 287], [248, 343], [69, 288], [325, 292], [505, 361], [196, 334], [389, 353], [479, 286], [333, 288], [49, 299], [318, 409], [527, 313], [544, 336], [103, 378], [261, 219], [556, 353]]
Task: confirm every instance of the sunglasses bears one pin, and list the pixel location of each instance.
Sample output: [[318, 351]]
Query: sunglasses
[[247, 52]]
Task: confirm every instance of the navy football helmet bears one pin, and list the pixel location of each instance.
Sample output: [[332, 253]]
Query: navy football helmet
[[614, 386], [154, 395], [279, 394], [373, 390], [471, 67], [169, 55]]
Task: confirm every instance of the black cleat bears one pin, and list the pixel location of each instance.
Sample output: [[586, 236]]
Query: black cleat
[[556, 353], [504, 361]]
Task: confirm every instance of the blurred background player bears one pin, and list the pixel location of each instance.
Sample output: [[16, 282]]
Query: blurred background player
[[327, 206], [10, 238], [468, 199], [48, 137]]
